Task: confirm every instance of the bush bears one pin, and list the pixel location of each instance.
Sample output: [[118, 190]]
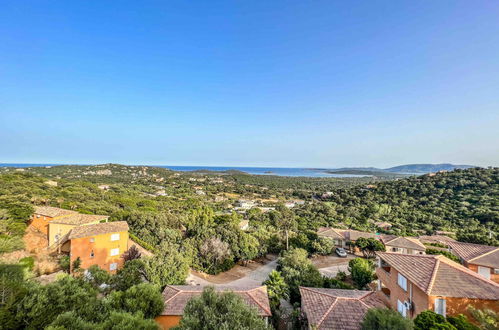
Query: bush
[[362, 272], [427, 319], [27, 262], [333, 283], [444, 253], [65, 263], [385, 319], [461, 323]]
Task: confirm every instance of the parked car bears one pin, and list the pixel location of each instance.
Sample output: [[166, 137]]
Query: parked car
[[341, 252]]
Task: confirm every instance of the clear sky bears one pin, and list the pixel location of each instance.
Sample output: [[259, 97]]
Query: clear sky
[[250, 83]]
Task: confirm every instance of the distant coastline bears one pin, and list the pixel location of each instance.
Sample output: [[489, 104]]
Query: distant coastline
[[277, 171]]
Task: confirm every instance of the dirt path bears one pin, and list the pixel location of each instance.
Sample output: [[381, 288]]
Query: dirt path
[[254, 274]]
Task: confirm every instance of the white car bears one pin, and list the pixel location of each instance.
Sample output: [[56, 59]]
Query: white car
[[341, 252]]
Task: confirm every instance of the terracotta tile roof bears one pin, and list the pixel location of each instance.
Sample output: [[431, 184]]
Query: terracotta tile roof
[[52, 212], [345, 234], [403, 242], [437, 275], [331, 232], [177, 296], [98, 229], [476, 254], [354, 235], [337, 308], [80, 219], [436, 239]]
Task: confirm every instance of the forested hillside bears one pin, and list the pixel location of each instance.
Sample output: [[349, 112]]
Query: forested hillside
[[464, 201]]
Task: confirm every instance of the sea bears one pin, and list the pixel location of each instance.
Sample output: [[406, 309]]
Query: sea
[[278, 171]]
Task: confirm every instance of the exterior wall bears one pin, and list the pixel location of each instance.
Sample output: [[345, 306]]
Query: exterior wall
[[493, 277], [168, 321], [455, 306], [40, 222], [390, 248], [61, 230], [101, 247], [57, 229], [420, 299]]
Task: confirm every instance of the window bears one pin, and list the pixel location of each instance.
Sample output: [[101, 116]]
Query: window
[[92, 254], [402, 282], [484, 271], [113, 266], [115, 252], [440, 306], [401, 308], [496, 271], [115, 237], [92, 239]]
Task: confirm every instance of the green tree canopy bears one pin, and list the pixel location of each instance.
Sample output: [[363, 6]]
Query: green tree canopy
[[220, 311], [385, 319]]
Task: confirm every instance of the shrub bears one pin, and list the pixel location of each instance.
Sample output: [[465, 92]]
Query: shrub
[[461, 323], [427, 319], [385, 319], [65, 263], [27, 262]]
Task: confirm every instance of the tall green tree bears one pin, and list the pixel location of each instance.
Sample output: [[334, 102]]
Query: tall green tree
[[362, 272], [214, 311]]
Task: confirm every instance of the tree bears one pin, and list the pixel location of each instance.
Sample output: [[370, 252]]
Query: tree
[[214, 252], [323, 246], [71, 320], [488, 319], [285, 221], [385, 319], [43, 303], [297, 271], [277, 288], [127, 321], [143, 297], [166, 268], [97, 276], [362, 272], [369, 246], [132, 273], [131, 254], [213, 311]]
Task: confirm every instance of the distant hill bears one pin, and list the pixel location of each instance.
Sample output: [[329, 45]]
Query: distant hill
[[397, 171], [425, 168]]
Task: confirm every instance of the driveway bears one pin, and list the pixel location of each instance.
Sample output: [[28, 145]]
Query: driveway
[[332, 271], [255, 274]]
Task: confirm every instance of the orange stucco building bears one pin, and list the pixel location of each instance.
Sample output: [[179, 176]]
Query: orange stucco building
[[414, 283], [86, 236], [43, 215], [100, 244]]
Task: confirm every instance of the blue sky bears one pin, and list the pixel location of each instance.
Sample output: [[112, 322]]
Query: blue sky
[[250, 83]]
